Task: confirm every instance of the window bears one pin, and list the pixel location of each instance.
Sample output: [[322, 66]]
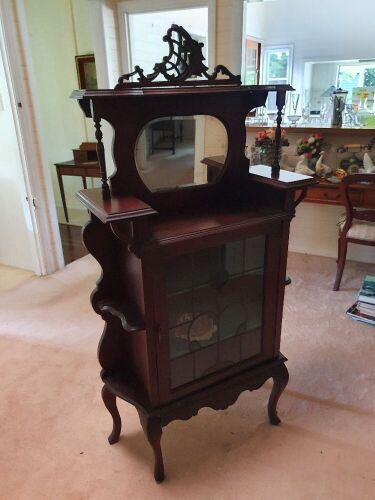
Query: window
[[276, 68], [354, 77], [142, 25], [146, 31]]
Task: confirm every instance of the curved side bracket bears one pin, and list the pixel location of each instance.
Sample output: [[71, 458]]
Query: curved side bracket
[[117, 310]]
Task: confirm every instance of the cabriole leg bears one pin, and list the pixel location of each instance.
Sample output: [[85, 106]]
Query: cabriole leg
[[152, 428], [280, 380], [109, 400]]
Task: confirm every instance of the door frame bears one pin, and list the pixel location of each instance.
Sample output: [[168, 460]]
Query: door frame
[[259, 44], [38, 183], [127, 7]]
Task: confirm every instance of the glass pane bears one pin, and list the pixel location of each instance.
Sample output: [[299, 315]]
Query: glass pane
[[276, 70], [215, 319], [234, 256], [254, 252], [181, 151], [179, 276], [147, 29], [357, 78], [278, 61]]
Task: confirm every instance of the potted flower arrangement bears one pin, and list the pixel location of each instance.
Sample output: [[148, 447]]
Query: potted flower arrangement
[[310, 147], [265, 142]]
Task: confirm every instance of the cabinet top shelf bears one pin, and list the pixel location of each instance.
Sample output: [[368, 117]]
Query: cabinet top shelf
[[168, 229], [173, 90]]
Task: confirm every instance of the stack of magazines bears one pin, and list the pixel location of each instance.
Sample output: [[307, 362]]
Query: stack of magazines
[[364, 308]]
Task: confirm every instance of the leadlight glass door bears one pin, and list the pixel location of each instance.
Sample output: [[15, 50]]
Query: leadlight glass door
[[214, 308]]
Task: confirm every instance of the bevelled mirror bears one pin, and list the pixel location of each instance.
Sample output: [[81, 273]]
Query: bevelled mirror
[[175, 152]]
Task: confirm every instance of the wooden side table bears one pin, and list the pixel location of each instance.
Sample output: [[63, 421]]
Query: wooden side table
[[72, 168], [214, 166]]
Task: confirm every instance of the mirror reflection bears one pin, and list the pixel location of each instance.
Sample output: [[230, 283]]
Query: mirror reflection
[[356, 81], [181, 151]]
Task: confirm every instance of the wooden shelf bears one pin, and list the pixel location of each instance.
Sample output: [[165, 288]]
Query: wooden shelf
[[116, 208], [321, 129], [165, 229]]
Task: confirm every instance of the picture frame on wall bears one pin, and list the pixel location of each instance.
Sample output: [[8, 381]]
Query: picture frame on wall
[[86, 71]]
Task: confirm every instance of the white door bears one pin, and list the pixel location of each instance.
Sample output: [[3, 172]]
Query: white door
[[17, 236]]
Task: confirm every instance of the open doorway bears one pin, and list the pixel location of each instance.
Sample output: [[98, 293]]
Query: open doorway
[[18, 248], [61, 58]]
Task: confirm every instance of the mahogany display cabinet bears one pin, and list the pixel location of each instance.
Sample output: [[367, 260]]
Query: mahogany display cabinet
[[193, 275]]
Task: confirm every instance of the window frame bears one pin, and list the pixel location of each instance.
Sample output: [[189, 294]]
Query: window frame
[[268, 49]]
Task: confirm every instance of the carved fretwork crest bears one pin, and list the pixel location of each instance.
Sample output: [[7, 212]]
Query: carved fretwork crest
[[181, 66]]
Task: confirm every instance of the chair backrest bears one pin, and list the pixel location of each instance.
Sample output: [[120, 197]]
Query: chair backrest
[[353, 213]]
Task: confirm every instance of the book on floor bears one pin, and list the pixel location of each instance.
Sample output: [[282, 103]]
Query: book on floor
[[354, 313], [364, 309], [367, 292]]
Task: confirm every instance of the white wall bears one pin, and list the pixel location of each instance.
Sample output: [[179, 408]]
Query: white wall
[[318, 29], [17, 243], [59, 30]]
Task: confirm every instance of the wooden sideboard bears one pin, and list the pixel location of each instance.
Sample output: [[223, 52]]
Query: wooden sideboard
[[329, 194], [324, 192]]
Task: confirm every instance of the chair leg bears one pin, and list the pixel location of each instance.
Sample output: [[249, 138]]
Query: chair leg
[[343, 245], [338, 249]]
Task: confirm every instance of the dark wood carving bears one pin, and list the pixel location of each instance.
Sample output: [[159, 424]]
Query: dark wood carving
[[184, 61], [136, 235]]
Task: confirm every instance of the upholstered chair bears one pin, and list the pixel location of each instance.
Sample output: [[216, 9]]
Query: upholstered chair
[[358, 225]]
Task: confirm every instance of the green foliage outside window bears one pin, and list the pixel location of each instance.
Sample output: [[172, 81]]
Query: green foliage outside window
[[369, 77], [278, 65]]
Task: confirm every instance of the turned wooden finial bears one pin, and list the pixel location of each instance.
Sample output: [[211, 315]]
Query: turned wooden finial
[[101, 159], [280, 103]]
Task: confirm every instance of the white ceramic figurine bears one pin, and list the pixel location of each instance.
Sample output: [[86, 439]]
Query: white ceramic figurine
[[321, 169], [367, 164], [302, 167]]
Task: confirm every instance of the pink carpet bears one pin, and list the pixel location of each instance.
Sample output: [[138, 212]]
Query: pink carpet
[[54, 425]]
